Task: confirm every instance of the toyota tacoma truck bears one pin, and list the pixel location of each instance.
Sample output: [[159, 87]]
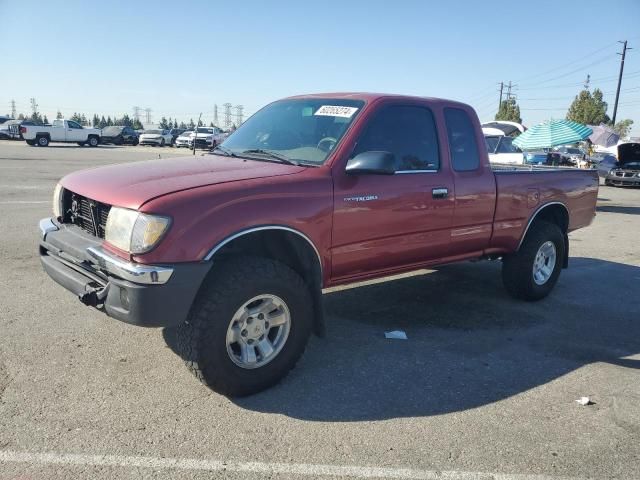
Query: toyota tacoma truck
[[234, 248], [60, 131]]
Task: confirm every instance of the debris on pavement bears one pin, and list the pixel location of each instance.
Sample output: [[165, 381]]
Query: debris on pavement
[[396, 335], [585, 401]]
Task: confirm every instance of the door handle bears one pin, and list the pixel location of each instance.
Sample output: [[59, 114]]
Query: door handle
[[438, 193]]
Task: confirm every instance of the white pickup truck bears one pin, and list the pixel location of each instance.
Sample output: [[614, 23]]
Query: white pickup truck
[[60, 131]]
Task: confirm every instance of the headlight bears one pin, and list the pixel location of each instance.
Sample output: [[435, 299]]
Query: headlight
[[57, 201], [134, 232]]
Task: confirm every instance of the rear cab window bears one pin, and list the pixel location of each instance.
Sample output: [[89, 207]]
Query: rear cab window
[[465, 156]]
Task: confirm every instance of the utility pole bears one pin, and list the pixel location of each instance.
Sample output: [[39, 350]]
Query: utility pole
[[615, 105], [509, 91], [239, 109], [215, 115], [13, 109], [195, 133], [501, 88], [586, 82]]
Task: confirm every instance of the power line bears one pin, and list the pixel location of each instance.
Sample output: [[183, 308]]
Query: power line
[[589, 55], [596, 62]]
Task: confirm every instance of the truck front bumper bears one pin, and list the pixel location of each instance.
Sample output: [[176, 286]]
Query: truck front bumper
[[144, 295]]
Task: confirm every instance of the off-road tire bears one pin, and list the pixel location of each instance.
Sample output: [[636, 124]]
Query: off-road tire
[[201, 340], [517, 268]]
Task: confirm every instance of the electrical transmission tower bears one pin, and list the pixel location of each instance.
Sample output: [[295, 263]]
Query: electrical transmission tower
[[136, 113], [239, 109], [13, 109], [34, 106], [147, 113], [227, 115]]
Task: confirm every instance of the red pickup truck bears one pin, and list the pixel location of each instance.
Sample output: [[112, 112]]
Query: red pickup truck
[[235, 247]]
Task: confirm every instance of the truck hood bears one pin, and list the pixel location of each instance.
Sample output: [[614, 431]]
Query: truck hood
[[131, 185]]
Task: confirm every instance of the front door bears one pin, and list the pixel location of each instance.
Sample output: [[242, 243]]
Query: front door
[[386, 222]]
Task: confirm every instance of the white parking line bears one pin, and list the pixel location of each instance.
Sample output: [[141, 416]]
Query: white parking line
[[301, 469], [23, 202]]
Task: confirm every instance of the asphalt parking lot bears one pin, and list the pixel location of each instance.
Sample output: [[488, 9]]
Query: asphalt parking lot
[[484, 387]]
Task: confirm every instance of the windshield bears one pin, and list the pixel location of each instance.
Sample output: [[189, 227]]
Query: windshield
[[492, 143], [153, 132], [304, 130]]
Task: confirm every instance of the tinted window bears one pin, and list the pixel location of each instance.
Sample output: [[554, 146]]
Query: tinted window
[[73, 124], [407, 132], [462, 140]]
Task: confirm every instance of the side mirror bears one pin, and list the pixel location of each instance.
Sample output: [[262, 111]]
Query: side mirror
[[372, 163]]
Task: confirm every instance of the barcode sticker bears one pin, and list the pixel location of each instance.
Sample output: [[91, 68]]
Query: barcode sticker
[[336, 111]]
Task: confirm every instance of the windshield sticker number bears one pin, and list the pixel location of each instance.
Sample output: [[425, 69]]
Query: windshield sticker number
[[336, 111]]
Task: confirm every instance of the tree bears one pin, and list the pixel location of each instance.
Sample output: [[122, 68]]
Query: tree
[[163, 123], [45, 120], [623, 127], [200, 124], [103, 122], [136, 124], [588, 108], [109, 121], [175, 123], [21, 117], [58, 115], [509, 111], [192, 124], [96, 120], [183, 125], [83, 120]]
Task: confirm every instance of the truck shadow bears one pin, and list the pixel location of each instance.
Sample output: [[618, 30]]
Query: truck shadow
[[469, 343], [618, 209]]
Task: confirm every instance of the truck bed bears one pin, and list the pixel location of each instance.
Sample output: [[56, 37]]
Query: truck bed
[[522, 190]]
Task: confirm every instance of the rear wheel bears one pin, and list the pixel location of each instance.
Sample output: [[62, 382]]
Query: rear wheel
[[248, 326], [42, 141], [532, 271]]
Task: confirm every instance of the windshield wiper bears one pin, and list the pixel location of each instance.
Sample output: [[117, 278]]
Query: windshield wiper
[[274, 155], [224, 150]]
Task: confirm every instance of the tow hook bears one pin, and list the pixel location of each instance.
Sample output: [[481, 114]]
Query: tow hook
[[94, 297]]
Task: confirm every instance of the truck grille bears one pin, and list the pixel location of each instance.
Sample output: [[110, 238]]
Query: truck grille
[[89, 215]]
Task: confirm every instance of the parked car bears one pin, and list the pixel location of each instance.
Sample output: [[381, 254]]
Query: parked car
[[572, 155], [626, 171], [502, 150], [184, 140], [12, 128], [207, 137], [119, 135], [311, 192], [175, 133], [60, 131], [4, 119], [155, 137]]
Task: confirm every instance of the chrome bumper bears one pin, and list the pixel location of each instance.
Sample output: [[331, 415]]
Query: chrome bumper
[[133, 272]]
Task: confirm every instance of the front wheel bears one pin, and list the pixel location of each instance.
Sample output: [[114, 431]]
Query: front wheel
[[93, 141], [532, 271], [248, 326]]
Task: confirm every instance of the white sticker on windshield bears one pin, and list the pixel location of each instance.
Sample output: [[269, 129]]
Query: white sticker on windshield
[[336, 111]]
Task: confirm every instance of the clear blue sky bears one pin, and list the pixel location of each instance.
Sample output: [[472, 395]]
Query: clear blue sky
[[179, 58]]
